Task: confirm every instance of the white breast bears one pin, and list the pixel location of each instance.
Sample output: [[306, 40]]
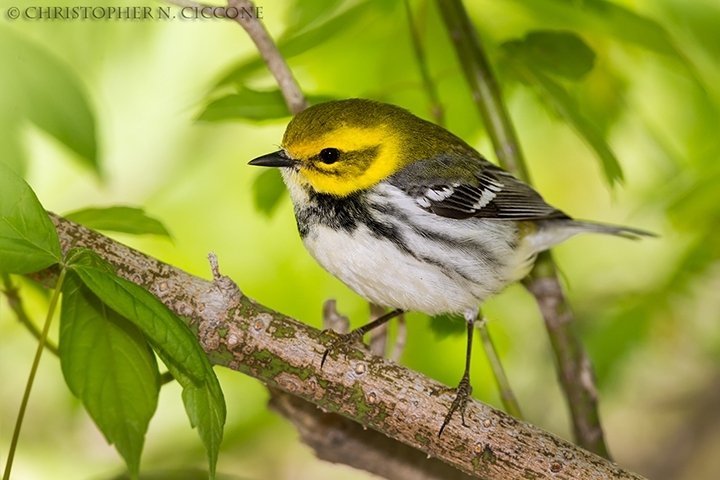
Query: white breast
[[379, 271]]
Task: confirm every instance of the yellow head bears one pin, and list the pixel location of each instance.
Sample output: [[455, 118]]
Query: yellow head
[[345, 146]]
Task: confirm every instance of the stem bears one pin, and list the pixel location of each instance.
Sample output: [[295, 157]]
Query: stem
[[33, 371], [484, 86], [436, 108], [16, 305], [400, 339], [378, 336], [509, 400], [166, 378], [275, 62], [574, 368]]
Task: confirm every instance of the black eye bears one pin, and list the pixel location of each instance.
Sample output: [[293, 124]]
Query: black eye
[[329, 155]]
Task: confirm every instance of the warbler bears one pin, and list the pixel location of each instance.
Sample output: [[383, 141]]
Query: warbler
[[411, 217]]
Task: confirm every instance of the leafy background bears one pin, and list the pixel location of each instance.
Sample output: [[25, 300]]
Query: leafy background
[[165, 114]]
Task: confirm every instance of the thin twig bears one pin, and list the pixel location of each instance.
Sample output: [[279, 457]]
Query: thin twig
[[436, 108], [378, 336], [31, 376], [191, 4], [574, 366], [484, 86], [400, 339], [290, 89], [332, 319], [507, 396], [12, 293], [245, 14]]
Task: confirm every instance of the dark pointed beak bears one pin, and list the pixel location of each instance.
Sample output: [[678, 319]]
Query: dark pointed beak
[[275, 159]]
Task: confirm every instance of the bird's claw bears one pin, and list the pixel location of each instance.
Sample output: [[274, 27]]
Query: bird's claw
[[342, 342], [462, 394]]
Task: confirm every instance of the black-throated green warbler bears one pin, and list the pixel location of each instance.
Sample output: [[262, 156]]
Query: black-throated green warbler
[[411, 217]]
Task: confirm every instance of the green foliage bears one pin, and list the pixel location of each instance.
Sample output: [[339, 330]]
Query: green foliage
[[205, 406], [566, 55], [35, 86], [123, 219], [556, 52], [555, 97], [106, 324], [444, 326], [307, 12], [637, 84], [607, 19], [28, 240], [247, 104], [174, 343], [268, 189], [252, 105], [296, 43], [108, 365], [164, 330], [184, 474]]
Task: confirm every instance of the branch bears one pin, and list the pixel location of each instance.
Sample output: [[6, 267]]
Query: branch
[[245, 14], [294, 97], [380, 395], [12, 293], [575, 370]]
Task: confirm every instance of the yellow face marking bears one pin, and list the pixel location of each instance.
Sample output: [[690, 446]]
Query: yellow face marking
[[368, 155]]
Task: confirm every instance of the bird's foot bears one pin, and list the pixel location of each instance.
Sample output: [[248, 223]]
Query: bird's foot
[[342, 342], [462, 394]]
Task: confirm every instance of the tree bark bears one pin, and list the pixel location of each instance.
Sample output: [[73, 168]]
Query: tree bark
[[376, 393]]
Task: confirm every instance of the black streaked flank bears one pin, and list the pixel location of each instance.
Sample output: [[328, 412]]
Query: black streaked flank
[[345, 213], [450, 243], [348, 213]]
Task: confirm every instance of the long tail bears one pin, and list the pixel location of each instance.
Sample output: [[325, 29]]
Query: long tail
[[580, 226], [552, 232]]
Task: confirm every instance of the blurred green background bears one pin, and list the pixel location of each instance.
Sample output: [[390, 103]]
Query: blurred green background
[[100, 113]]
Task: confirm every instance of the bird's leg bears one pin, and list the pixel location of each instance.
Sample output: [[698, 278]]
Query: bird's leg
[[464, 389], [356, 336]]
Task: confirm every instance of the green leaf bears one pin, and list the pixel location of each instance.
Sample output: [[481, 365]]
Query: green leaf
[[615, 334], [447, 325], [307, 12], [604, 17], [268, 188], [183, 474], [12, 151], [164, 330], [205, 407], [252, 105], [556, 98], [559, 52], [107, 363], [295, 44], [28, 239], [246, 105], [35, 85], [118, 219], [624, 24], [171, 339]]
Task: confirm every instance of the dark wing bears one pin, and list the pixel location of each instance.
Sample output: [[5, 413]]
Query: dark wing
[[471, 187]]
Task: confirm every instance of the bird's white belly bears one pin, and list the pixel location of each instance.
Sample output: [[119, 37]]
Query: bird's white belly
[[379, 271]]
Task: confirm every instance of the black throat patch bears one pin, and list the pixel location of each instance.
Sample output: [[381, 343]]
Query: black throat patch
[[345, 214]]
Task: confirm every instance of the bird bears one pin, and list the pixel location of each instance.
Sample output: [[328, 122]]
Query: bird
[[411, 217]]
